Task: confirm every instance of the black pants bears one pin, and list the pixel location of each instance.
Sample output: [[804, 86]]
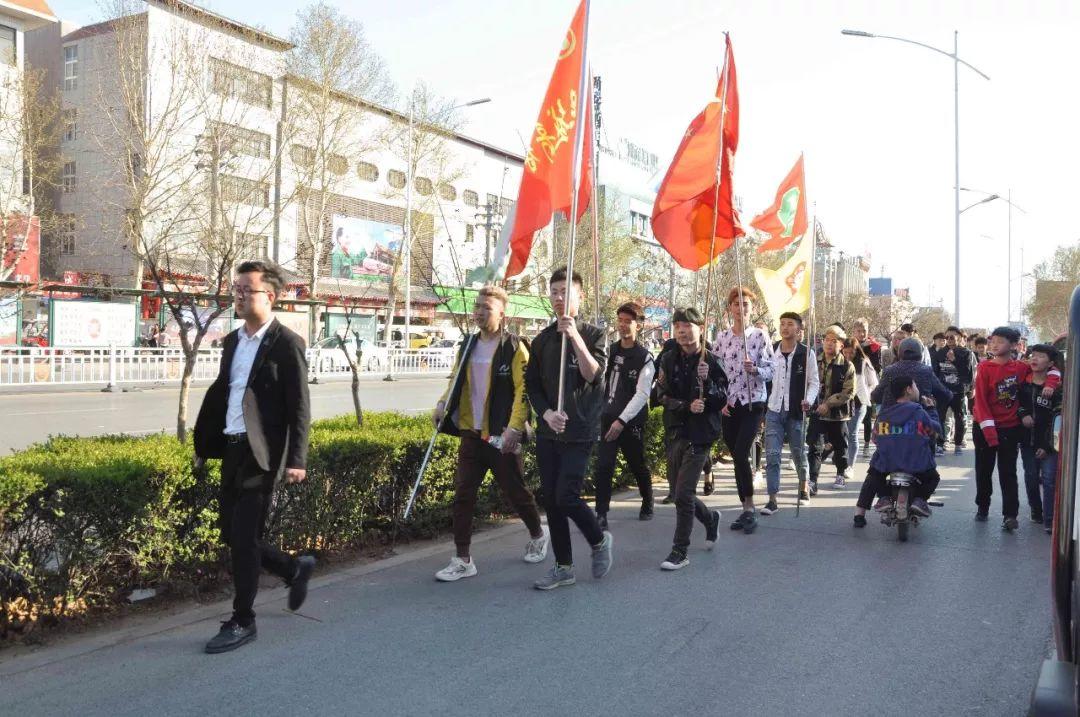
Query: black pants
[[817, 433], [957, 406], [632, 444], [685, 462], [562, 467], [740, 432], [875, 485], [246, 492], [868, 425], [1004, 454]]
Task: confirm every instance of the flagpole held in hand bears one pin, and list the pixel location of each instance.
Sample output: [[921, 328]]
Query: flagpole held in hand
[[579, 139], [435, 434]]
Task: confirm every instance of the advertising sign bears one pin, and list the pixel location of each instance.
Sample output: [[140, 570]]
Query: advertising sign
[[21, 249], [298, 321], [9, 320], [363, 248], [93, 323]]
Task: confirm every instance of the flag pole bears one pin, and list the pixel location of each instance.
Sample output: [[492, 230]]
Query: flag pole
[[810, 331], [594, 97], [575, 173]]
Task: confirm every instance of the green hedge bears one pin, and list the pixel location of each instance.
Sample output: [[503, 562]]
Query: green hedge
[[85, 520]]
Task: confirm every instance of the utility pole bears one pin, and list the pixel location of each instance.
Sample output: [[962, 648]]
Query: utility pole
[[490, 215]]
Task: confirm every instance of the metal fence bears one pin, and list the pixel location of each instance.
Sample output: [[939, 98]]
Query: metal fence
[[112, 366]]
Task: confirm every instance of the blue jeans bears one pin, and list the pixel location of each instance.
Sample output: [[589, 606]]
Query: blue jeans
[[853, 425], [1040, 473], [779, 427]]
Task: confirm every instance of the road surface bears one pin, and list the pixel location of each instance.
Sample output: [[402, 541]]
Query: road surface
[[31, 417], [808, 616]]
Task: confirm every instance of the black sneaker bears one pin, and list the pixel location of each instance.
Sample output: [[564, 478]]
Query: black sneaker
[[1036, 517], [982, 516], [770, 507], [804, 496], [737, 524], [708, 488], [813, 487], [676, 560], [298, 586], [712, 530], [860, 521], [750, 522], [601, 518], [231, 636], [668, 499], [1010, 524], [646, 512]]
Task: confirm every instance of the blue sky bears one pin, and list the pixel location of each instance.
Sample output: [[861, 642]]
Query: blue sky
[[874, 117]]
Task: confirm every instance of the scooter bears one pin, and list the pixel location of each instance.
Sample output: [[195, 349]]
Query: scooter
[[899, 512]]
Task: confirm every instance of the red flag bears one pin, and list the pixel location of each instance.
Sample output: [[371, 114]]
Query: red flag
[[547, 179], [682, 217], [785, 221]]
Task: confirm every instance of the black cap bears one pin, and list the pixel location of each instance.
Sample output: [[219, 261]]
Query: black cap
[[689, 315]]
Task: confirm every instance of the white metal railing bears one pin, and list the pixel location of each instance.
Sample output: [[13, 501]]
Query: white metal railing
[[24, 366]]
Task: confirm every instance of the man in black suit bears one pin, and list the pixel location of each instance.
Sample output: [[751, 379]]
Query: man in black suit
[[255, 417]]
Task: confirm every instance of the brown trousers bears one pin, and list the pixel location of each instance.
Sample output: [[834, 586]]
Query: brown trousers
[[475, 458]]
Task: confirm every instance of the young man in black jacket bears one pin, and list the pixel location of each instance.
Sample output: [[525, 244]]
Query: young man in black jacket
[[255, 417], [564, 439], [1039, 449], [629, 379], [954, 366], [692, 408]]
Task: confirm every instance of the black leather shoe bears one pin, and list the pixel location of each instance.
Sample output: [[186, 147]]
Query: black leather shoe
[[231, 636], [305, 566], [601, 519]]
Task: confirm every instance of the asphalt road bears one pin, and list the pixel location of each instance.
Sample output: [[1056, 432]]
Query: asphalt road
[[32, 417], [808, 616]]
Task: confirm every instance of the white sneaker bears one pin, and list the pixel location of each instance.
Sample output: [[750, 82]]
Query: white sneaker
[[456, 570], [759, 480], [849, 473], [536, 549], [791, 465]]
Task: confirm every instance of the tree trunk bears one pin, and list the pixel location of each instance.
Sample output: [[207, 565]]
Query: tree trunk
[[356, 395], [185, 392]]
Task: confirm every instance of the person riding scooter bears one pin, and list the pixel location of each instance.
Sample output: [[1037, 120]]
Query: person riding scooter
[[905, 437]]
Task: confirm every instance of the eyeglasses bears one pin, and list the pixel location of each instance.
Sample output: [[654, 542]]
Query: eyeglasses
[[245, 291]]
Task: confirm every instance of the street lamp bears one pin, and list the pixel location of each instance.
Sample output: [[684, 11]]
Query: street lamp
[[1008, 269], [991, 198], [409, 179], [955, 57]]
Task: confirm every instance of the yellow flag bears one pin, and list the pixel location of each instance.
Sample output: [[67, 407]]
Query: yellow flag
[[788, 288]]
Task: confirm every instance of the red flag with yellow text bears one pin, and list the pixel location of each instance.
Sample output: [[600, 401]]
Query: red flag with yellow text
[[547, 181], [683, 216], [785, 221]]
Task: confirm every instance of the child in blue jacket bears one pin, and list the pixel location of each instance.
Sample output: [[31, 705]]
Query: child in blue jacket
[[905, 437]]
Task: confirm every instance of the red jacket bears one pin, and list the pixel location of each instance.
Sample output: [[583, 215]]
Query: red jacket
[[997, 392]]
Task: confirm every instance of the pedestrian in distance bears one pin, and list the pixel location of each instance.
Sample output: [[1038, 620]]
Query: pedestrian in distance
[[565, 439], [910, 364], [997, 394], [692, 398], [487, 409], [255, 417], [954, 365], [795, 386], [828, 422], [866, 380], [745, 354], [1039, 415], [629, 379]]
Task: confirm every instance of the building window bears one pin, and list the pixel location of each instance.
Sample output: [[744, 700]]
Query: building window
[[470, 233], [337, 164], [7, 46], [241, 140], [70, 118], [67, 178], [245, 191], [396, 179], [302, 156], [639, 225], [229, 80], [67, 234], [505, 205], [253, 246], [367, 171], [492, 201], [71, 67], [447, 193], [424, 186], [471, 198]]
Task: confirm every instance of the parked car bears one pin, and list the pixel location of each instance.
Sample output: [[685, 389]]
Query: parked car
[[330, 357]]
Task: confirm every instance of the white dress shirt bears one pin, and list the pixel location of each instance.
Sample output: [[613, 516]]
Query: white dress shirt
[[781, 382], [239, 373]]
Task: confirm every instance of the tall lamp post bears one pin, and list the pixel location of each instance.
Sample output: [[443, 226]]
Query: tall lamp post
[[409, 180], [955, 57], [1008, 268]]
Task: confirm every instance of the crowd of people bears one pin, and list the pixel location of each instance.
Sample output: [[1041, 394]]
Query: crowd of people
[[840, 398]]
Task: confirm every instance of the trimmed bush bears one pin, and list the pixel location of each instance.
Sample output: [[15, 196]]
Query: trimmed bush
[[85, 520]]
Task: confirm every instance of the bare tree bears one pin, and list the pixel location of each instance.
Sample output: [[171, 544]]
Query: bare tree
[[191, 184], [1055, 279]]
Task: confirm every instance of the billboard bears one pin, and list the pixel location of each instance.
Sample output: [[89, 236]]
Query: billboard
[[298, 321], [20, 249], [881, 286], [363, 248], [170, 335], [92, 323]]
